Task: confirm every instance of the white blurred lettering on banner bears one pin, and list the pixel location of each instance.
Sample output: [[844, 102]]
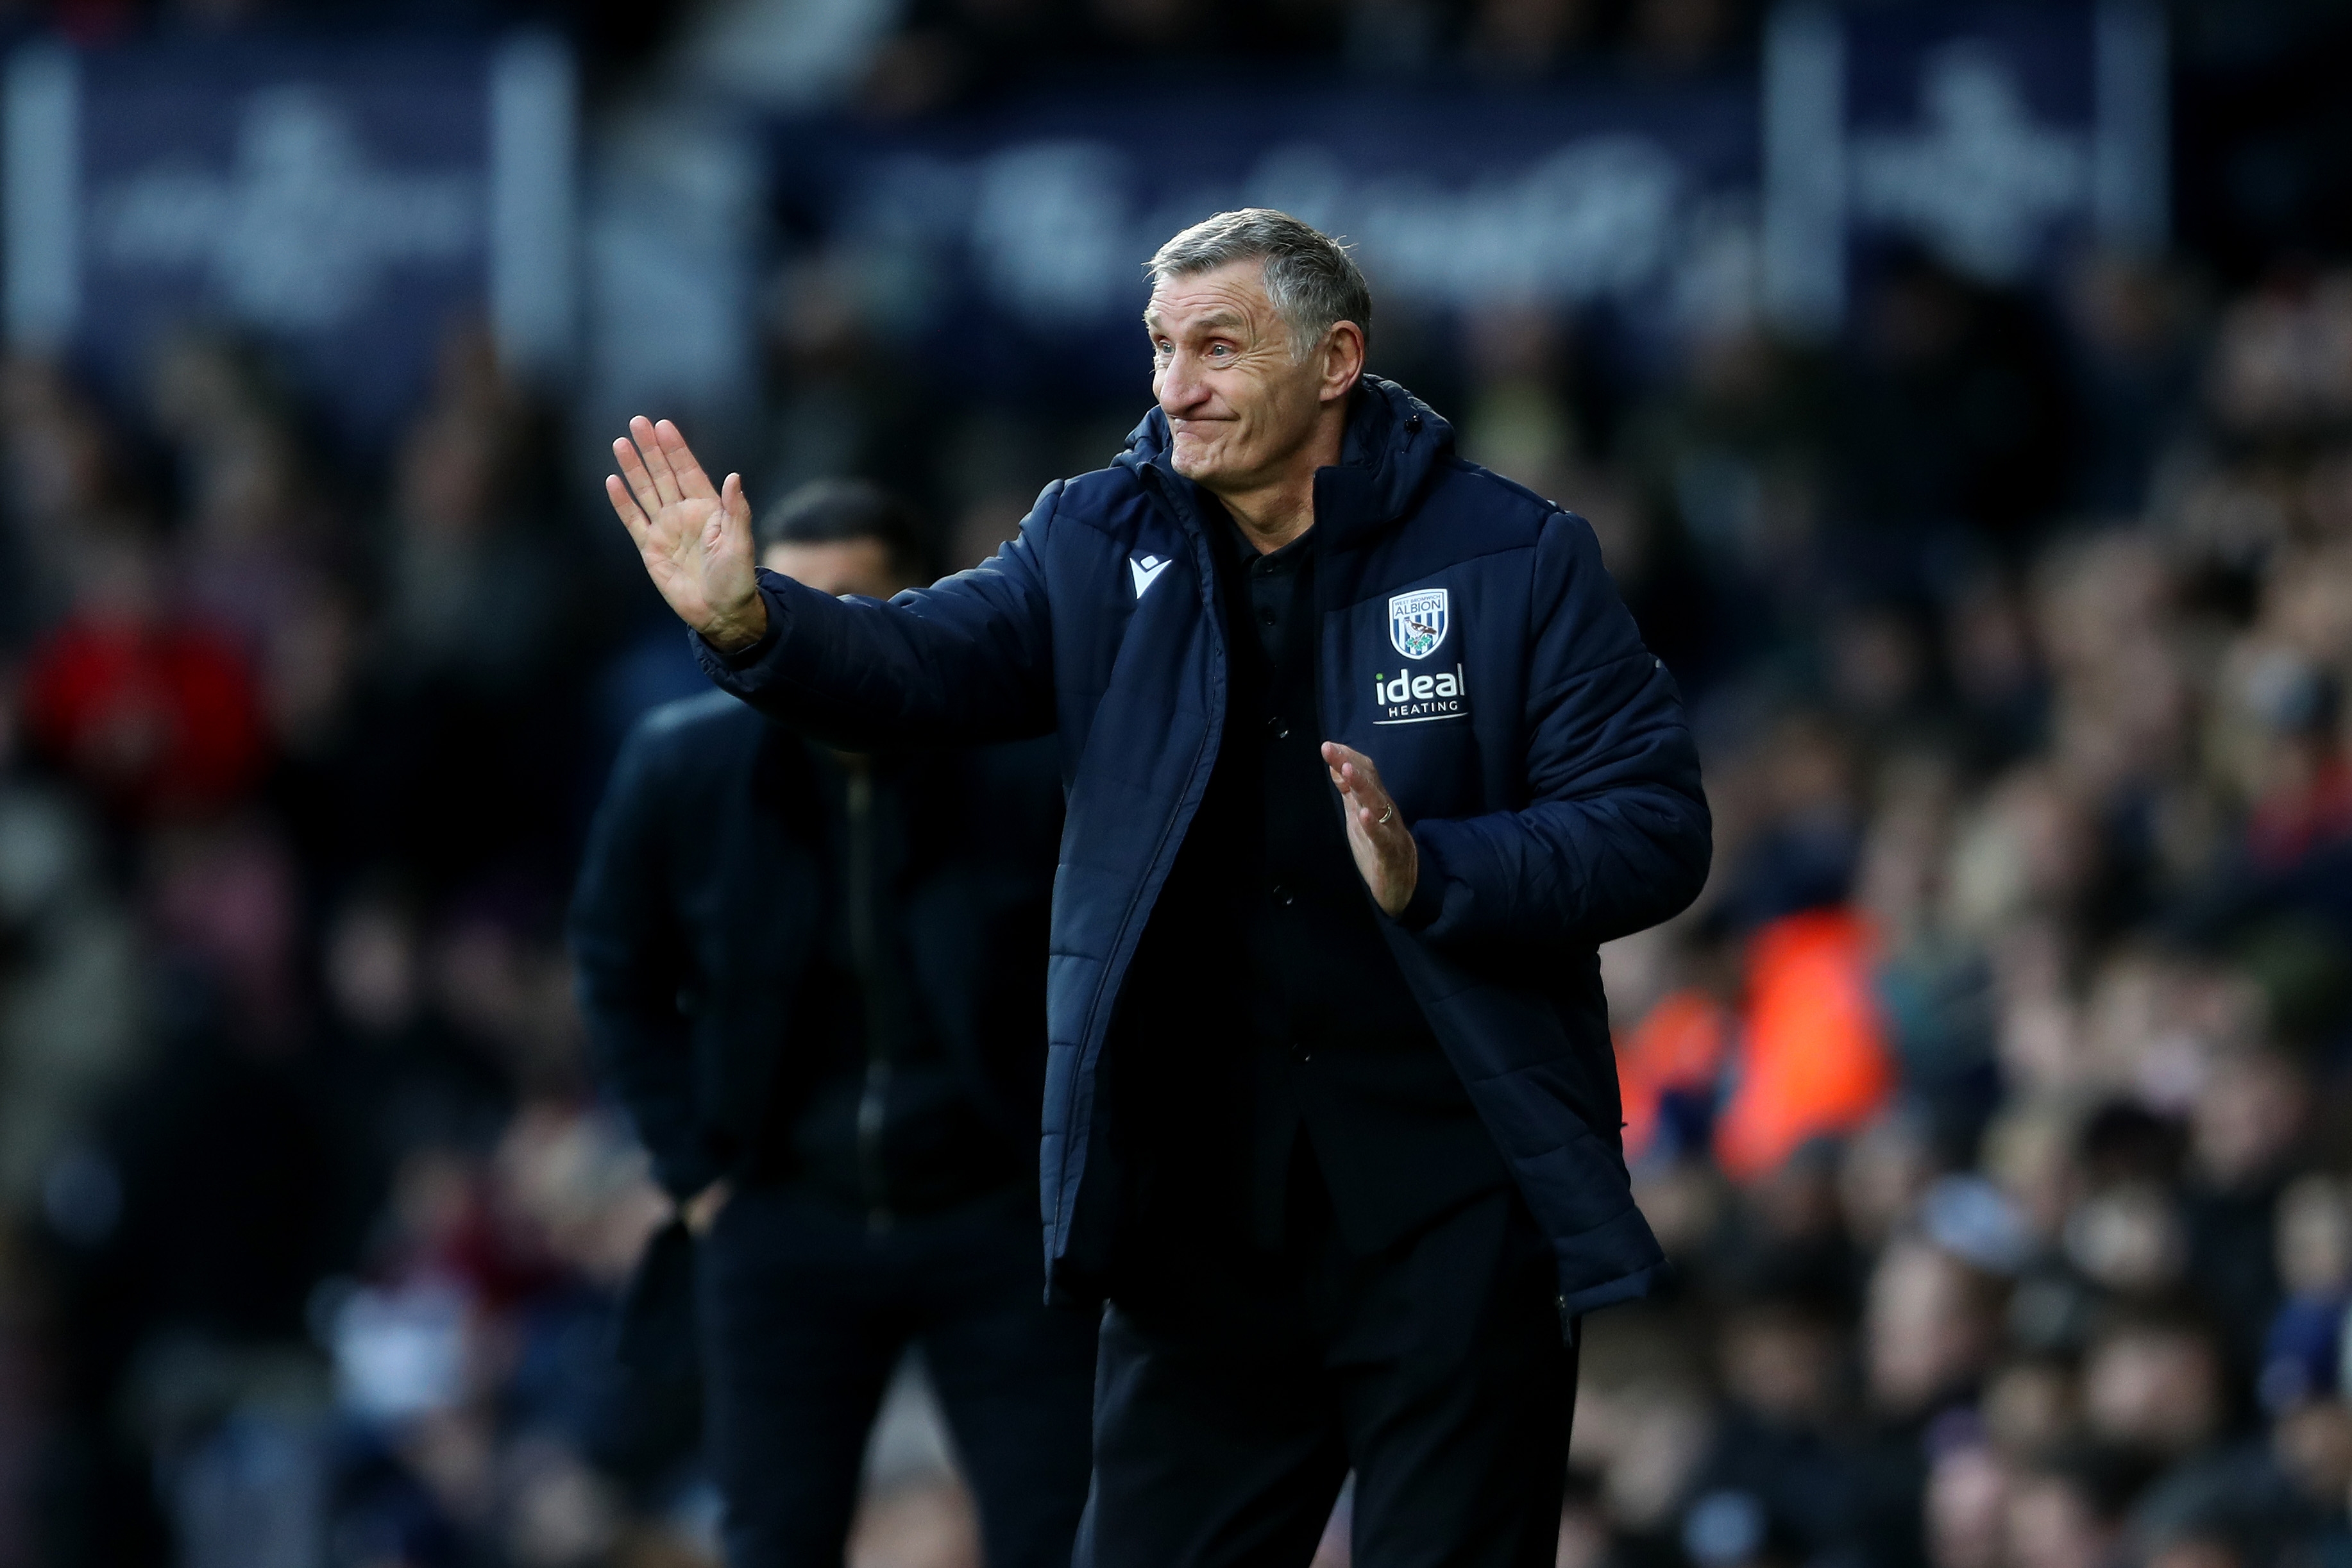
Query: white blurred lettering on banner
[[1980, 180], [1056, 237], [300, 231]]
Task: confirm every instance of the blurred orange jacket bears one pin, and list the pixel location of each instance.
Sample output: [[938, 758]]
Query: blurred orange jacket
[[1813, 1058]]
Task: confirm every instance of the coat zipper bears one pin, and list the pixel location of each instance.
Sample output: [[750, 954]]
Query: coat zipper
[[1114, 971], [873, 1099]]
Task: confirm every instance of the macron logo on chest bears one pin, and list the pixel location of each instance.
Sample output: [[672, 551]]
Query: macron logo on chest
[[1147, 570]]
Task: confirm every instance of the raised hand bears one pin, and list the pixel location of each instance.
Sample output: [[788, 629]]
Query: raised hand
[[696, 541], [1385, 852]]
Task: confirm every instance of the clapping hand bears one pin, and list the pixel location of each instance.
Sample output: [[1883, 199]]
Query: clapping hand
[[696, 541], [1383, 846]]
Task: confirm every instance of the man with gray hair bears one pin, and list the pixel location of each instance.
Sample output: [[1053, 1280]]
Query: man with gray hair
[[1363, 757]]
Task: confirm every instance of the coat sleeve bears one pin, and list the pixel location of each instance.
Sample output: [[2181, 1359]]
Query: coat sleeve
[[630, 957], [1616, 836], [965, 661]]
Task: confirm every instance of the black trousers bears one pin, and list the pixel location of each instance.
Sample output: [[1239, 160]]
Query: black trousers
[[804, 1314], [1235, 1392]]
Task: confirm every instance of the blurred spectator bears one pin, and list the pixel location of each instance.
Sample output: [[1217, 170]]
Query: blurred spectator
[[1957, 412], [2068, 1509], [1394, 38], [1729, 469], [1682, 37], [2303, 1347], [70, 1013], [2282, 359], [2154, 1383], [1968, 1494], [2135, 366], [461, 765], [1525, 39], [1777, 1447], [67, 478], [1930, 1333], [807, 993], [157, 715], [1813, 1061]]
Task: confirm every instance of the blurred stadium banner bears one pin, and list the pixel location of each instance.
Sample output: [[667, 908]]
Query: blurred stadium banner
[[996, 231], [346, 202], [1992, 133]]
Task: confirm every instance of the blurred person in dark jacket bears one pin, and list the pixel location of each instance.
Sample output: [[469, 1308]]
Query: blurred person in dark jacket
[[1363, 757], [813, 978]]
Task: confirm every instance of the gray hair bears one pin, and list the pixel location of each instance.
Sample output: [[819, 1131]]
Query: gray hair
[[1310, 275]]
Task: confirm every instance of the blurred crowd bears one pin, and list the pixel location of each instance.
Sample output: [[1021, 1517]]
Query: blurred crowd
[[313, 1220], [1992, 1103], [939, 53], [959, 52]]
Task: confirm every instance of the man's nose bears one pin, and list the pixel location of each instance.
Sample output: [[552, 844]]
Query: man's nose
[[1182, 385]]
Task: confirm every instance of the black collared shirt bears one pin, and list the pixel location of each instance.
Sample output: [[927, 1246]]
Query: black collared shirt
[[1265, 924]]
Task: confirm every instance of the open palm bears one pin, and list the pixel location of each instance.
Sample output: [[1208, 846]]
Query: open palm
[[695, 540], [1386, 854]]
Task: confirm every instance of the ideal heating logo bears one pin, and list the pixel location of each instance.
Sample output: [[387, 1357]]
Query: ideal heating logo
[[1407, 698]]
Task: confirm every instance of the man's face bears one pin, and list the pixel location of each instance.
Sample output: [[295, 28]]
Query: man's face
[[1237, 403], [839, 567]]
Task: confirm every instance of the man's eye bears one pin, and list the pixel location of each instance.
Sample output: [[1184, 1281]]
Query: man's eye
[[1221, 351]]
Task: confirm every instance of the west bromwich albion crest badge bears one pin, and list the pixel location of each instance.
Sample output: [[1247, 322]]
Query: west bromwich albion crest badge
[[1417, 622]]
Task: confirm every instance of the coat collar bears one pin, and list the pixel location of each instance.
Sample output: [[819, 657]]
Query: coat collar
[[1394, 441]]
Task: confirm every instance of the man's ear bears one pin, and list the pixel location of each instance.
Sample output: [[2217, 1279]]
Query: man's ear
[[1343, 359]]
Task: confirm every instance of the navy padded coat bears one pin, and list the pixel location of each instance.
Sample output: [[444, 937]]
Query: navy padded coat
[[1472, 646]]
